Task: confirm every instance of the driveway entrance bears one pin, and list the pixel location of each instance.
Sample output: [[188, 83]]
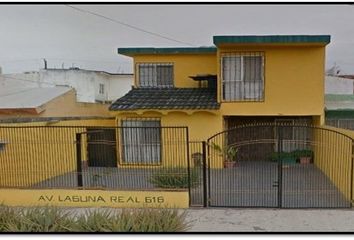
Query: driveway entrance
[[300, 167]]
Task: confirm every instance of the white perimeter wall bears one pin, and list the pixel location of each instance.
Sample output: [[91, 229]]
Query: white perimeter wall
[[337, 85]]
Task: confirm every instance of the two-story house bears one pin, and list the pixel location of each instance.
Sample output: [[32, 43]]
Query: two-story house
[[240, 80]]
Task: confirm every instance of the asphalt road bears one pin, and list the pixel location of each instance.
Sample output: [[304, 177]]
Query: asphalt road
[[270, 220], [262, 220]]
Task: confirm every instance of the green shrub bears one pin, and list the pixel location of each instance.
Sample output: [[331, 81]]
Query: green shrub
[[138, 220], [282, 155], [51, 219], [175, 178], [6, 215], [45, 219]]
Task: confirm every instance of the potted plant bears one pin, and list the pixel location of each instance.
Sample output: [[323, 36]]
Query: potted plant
[[197, 159], [229, 153], [286, 158], [304, 156]]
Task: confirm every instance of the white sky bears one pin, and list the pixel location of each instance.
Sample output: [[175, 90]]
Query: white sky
[[63, 35]]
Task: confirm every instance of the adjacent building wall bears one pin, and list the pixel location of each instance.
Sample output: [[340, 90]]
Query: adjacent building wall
[[338, 85], [85, 82]]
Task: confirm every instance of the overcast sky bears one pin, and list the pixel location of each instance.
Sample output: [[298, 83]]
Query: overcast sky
[[65, 36]]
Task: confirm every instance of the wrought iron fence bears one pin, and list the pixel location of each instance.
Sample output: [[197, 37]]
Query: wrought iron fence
[[341, 123], [131, 157]]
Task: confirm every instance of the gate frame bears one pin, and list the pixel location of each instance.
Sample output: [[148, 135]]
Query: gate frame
[[207, 197]]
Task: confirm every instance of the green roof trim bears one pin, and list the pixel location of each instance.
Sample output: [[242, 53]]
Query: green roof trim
[[341, 113], [324, 39], [339, 97], [180, 50]]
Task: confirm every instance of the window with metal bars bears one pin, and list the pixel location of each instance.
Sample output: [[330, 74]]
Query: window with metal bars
[[155, 75], [141, 141], [243, 76]]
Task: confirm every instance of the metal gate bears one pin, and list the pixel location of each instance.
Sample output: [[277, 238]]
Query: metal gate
[[279, 165]]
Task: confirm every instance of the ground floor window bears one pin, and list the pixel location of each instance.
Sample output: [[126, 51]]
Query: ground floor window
[[141, 141]]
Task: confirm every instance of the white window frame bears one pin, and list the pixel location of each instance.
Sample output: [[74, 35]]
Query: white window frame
[[153, 81], [242, 74]]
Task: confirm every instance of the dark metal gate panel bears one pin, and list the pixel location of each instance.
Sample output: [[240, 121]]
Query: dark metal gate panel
[[253, 182], [279, 165]]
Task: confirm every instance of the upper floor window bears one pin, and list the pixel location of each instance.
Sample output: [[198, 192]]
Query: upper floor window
[[243, 76], [155, 75]]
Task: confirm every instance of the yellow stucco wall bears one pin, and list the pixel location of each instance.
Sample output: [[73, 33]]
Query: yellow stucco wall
[[333, 156], [32, 155], [94, 198], [294, 82], [184, 65], [66, 105], [294, 78]]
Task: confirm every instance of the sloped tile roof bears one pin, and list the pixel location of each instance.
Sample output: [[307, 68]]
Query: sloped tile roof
[[167, 98]]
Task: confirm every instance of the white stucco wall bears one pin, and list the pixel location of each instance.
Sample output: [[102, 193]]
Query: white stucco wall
[[337, 85], [119, 85], [86, 83]]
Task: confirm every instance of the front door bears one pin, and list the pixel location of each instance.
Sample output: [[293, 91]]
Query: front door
[[101, 147]]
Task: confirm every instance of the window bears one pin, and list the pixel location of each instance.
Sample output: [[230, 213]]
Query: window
[[141, 141], [242, 76], [101, 88], [155, 75]]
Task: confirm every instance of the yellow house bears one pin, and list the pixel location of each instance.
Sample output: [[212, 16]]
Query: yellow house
[[240, 80], [243, 86]]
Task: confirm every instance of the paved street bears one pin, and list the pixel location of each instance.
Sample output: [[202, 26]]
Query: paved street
[[262, 220], [271, 220]]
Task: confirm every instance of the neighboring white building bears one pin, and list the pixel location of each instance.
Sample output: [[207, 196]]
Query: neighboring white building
[[90, 86], [339, 85]]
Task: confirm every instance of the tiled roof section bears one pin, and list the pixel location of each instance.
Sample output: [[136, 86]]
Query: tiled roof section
[[167, 98]]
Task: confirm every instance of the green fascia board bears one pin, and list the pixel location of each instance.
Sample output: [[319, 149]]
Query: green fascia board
[[340, 113], [180, 50], [324, 39], [339, 97]]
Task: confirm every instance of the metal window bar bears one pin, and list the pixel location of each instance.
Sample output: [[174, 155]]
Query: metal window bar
[[152, 75], [242, 76], [341, 123]]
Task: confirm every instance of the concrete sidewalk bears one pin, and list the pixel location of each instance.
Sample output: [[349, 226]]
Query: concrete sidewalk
[[270, 220]]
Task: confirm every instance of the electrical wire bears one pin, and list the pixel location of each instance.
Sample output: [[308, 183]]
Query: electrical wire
[[64, 59], [128, 25]]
